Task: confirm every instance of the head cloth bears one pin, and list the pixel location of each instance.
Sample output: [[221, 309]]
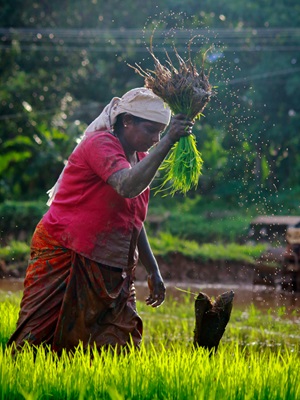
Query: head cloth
[[140, 102]]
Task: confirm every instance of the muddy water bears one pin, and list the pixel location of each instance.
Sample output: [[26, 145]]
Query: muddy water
[[262, 297], [11, 285]]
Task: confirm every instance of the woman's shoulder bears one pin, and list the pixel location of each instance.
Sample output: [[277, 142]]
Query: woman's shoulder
[[100, 138], [100, 134]]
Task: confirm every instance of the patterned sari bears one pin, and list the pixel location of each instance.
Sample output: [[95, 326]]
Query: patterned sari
[[70, 299]]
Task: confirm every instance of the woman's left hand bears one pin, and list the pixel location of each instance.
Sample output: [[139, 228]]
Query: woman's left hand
[[157, 290]]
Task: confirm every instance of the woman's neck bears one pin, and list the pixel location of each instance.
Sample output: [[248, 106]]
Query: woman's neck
[[131, 154]]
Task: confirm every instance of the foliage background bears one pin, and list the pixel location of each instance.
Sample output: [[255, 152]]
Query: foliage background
[[62, 61]]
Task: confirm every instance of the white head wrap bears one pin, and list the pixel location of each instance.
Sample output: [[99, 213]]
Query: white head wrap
[[140, 102]]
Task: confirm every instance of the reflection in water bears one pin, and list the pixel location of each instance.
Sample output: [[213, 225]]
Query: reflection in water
[[264, 298]]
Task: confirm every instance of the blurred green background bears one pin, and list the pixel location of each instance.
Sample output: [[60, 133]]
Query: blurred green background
[[62, 61]]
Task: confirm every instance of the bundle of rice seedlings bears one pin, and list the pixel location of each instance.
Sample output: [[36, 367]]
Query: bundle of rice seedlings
[[186, 91]]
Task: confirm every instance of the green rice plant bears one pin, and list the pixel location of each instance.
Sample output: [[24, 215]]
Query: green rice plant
[[155, 372], [9, 308], [186, 91], [182, 167], [258, 330], [166, 366]]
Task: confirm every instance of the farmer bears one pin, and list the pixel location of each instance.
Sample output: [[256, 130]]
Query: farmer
[[79, 281]]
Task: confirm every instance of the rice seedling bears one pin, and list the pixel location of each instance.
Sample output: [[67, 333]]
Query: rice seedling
[[186, 91], [9, 308], [167, 366]]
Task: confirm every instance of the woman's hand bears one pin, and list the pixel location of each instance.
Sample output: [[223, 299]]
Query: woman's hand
[[130, 182], [179, 126], [157, 290]]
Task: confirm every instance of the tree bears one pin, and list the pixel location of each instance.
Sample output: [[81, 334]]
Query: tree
[[62, 61]]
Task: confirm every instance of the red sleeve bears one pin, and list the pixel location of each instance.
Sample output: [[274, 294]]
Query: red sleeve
[[105, 155]]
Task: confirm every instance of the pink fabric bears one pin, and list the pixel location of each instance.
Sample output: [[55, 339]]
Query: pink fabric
[[87, 215]]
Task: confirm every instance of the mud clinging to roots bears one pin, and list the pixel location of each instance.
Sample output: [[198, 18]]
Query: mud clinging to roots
[[211, 319], [186, 91]]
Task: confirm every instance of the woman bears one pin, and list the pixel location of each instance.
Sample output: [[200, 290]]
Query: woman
[[79, 282]]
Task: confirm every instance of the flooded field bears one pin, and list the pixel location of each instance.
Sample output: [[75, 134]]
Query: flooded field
[[263, 297]]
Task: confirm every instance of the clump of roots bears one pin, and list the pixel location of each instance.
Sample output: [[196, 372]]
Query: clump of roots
[[212, 318], [186, 91]]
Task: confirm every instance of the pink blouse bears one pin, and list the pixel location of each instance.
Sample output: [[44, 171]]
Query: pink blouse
[[87, 214]]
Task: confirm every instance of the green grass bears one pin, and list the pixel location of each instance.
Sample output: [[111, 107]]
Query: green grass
[[258, 358], [157, 374], [165, 243]]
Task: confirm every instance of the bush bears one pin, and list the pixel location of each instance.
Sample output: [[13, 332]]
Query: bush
[[15, 251], [18, 219], [165, 244], [199, 219], [208, 228]]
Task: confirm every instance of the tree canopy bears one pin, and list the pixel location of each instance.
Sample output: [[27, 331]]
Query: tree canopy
[[61, 62]]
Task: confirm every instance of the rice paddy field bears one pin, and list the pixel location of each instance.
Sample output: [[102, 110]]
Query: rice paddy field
[[258, 358]]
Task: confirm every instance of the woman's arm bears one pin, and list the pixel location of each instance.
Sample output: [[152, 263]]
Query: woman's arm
[[133, 181], [155, 281]]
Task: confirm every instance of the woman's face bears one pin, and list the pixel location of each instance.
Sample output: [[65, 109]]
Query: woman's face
[[141, 136]]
